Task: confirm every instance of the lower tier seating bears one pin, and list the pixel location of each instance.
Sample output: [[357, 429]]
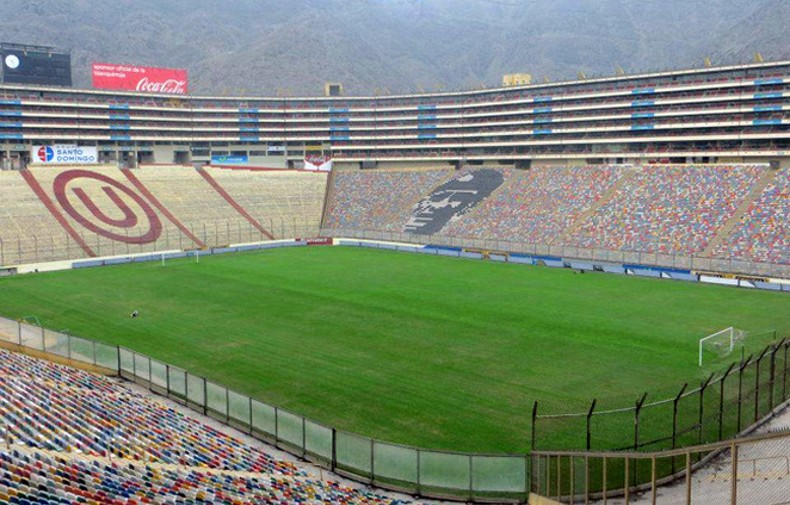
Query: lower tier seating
[[72, 436]]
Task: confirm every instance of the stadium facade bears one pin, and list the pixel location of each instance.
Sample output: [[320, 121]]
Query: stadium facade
[[731, 114]]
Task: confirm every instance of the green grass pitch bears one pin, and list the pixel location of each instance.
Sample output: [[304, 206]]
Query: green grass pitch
[[430, 351]]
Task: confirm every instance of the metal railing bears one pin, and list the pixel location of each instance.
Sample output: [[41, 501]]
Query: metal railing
[[675, 261], [440, 474], [38, 248], [747, 470]]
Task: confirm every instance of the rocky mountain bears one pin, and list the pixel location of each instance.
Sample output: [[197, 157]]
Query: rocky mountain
[[266, 47]]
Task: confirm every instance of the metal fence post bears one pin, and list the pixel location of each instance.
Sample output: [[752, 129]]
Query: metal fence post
[[471, 479], [688, 478], [721, 399], [419, 470], [589, 422], [627, 480], [333, 463], [205, 395], [637, 411], [675, 419], [740, 391], [774, 350], [534, 422], [249, 398], [757, 386], [703, 387], [734, 475], [784, 374]]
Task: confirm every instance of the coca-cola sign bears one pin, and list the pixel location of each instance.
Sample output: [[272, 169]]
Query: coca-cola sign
[[146, 79]]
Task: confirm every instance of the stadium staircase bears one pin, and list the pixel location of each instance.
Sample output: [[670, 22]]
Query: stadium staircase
[[220, 191], [724, 232], [329, 196], [622, 181]]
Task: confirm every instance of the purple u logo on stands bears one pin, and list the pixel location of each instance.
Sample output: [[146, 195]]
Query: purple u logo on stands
[[123, 223]]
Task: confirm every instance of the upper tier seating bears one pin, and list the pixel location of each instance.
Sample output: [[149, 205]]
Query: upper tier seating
[[378, 199], [674, 209], [763, 232], [84, 417]]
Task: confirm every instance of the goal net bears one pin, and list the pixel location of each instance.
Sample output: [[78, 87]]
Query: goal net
[[720, 343]]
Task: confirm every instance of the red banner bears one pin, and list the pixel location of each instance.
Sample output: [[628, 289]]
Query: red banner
[[146, 79], [317, 240]]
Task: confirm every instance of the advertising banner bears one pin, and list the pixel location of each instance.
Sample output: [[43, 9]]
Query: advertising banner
[[134, 78], [238, 159], [317, 163], [64, 154]]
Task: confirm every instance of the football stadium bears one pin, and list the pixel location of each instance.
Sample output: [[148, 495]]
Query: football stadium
[[570, 292]]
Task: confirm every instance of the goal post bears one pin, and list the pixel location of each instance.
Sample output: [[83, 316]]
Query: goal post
[[723, 340]]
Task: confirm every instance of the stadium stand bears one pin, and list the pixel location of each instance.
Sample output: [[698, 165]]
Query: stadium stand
[[762, 233], [675, 209], [287, 202], [26, 226], [108, 211], [72, 436], [378, 200], [55, 214], [713, 211], [537, 205]]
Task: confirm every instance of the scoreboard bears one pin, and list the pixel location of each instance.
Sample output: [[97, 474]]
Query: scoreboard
[[34, 65]]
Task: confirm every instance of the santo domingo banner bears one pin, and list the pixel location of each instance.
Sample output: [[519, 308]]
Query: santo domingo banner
[[61, 154], [318, 163]]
